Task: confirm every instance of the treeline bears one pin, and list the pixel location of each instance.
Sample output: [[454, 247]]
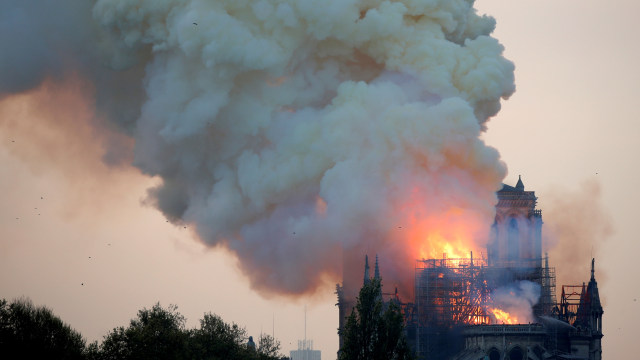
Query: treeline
[[30, 332]]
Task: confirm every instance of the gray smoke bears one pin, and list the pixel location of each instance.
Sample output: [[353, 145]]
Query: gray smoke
[[517, 299], [57, 40], [289, 131]]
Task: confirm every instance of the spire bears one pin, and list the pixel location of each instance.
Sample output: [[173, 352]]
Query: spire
[[376, 273], [594, 300], [520, 185], [366, 269], [593, 289]]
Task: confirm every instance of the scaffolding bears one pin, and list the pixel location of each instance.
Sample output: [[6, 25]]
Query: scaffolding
[[570, 302], [451, 292], [454, 292]]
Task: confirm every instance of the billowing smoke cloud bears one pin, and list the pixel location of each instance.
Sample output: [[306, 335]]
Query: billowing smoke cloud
[[289, 131], [518, 300]]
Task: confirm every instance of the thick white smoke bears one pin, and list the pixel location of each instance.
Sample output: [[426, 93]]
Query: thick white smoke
[[290, 130], [258, 112]]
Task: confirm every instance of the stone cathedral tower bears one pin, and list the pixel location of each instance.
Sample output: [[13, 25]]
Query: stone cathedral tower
[[516, 234]]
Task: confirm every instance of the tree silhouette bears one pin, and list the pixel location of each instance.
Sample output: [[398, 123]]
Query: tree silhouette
[[156, 333], [159, 333], [218, 340], [374, 330], [31, 332]]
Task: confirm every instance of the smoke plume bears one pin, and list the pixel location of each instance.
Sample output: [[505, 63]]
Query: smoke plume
[[291, 131], [518, 300]]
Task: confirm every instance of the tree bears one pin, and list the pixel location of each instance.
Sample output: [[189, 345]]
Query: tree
[[159, 333], [218, 340], [156, 333], [36, 333], [268, 348], [374, 330]]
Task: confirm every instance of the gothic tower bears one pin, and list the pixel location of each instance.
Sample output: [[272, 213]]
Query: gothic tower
[[595, 317], [516, 234]]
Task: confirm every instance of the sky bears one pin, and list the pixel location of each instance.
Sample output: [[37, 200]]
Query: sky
[[78, 234]]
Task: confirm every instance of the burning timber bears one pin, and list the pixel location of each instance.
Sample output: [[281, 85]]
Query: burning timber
[[502, 305]]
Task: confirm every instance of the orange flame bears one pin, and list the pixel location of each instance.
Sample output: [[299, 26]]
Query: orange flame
[[475, 320], [449, 235], [503, 316], [425, 225]]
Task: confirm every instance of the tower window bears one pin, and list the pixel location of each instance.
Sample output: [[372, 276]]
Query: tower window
[[513, 240]]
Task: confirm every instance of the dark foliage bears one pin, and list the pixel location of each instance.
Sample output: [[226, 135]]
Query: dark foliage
[[31, 332], [156, 333], [374, 330], [159, 333]]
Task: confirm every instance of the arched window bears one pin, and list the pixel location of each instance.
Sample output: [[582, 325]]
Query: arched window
[[492, 246], [494, 354], [516, 353], [513, 240]]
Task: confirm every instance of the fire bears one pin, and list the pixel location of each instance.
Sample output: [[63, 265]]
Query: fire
[[424, 225], [444, 236], [432, 228], [476, 320], [503, 316], [437, 246]]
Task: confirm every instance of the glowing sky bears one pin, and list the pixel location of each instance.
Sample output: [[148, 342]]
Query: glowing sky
[[75, 235]]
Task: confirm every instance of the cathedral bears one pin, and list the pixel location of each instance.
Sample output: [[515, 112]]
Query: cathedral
[[456, 314]]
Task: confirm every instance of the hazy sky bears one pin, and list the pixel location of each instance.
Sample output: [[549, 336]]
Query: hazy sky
[[76, 236]]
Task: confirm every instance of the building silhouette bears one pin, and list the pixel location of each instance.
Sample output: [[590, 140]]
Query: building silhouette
[[305, 351]]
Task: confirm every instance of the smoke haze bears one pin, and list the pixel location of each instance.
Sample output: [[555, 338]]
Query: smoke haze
[[289, 131], [54, 131], [576, 229]]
